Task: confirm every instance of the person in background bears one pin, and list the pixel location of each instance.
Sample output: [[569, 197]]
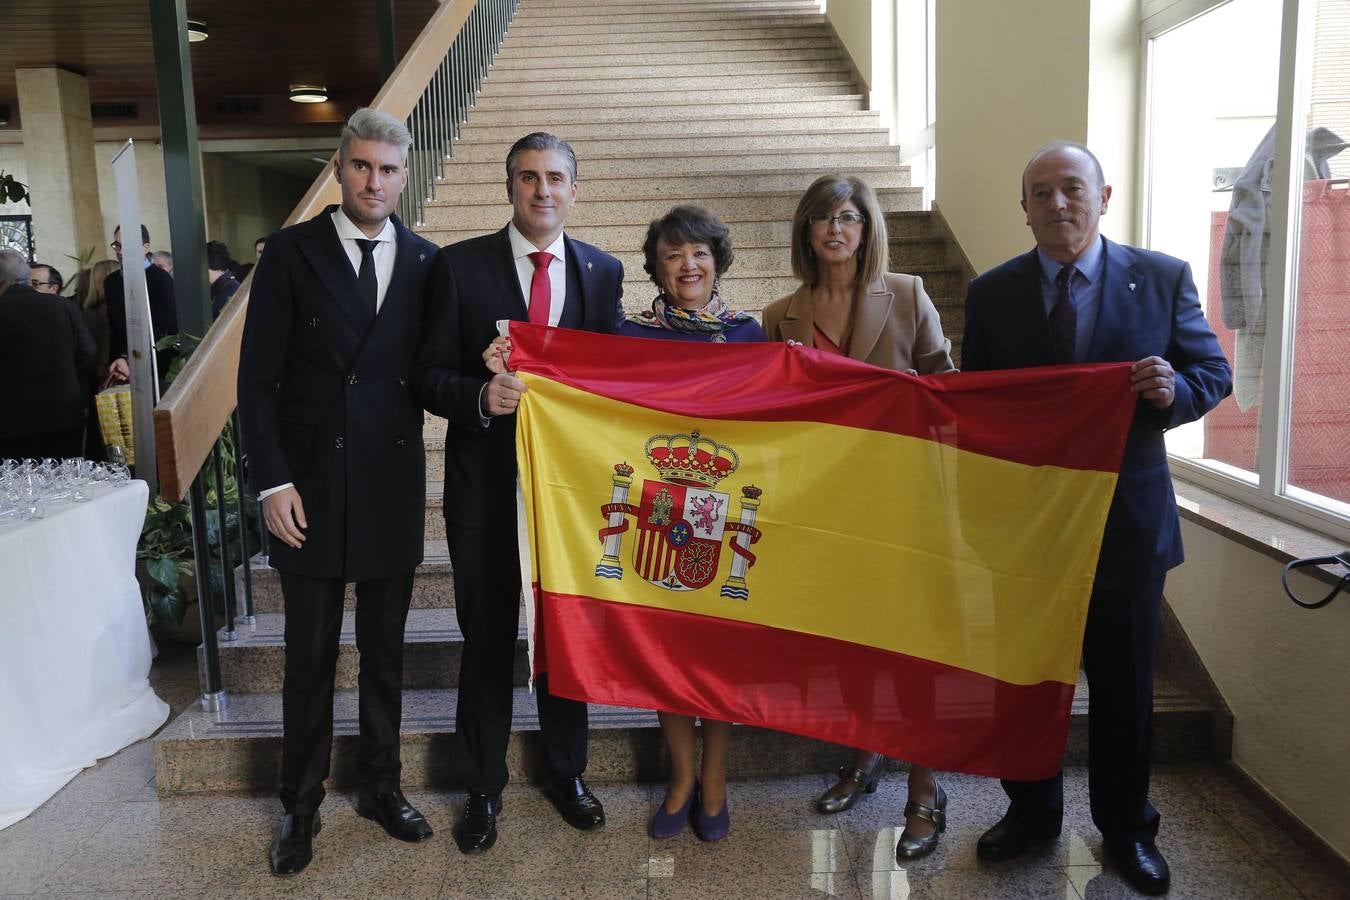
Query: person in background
[[219, 274], [163, 259], [49, 363], [163, 308], [46, 280]]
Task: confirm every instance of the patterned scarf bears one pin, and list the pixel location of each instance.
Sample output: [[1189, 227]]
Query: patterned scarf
[[714, 319]]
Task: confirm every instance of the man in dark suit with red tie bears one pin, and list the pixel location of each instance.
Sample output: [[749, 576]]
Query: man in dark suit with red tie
[[334, 442], [1078, 298], [528, 271]]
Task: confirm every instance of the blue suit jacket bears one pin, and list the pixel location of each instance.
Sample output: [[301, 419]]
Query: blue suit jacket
[[325, 403], [472, 285], [1149, 307]]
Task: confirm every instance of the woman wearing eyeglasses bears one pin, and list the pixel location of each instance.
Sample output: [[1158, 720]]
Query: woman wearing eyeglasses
[[849, 305]]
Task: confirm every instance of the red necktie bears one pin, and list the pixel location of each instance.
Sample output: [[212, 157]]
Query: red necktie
[[541, 289]]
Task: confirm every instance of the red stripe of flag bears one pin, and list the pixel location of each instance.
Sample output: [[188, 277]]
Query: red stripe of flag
[[1013, 415], [903, 706]]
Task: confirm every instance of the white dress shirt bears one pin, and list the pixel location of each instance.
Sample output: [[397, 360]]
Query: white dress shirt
[[521, 249], [384, 251]]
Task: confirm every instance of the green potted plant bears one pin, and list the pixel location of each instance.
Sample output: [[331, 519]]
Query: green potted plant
[[164, 557]]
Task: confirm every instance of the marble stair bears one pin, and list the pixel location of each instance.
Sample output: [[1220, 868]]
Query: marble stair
[[735, 105]]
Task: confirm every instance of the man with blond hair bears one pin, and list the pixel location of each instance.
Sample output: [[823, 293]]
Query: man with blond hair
[[334, 443]]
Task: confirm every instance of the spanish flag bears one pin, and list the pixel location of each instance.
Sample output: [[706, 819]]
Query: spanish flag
[[775, 536]]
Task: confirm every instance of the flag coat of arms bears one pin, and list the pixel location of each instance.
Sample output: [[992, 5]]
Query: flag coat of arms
[[773, 536]]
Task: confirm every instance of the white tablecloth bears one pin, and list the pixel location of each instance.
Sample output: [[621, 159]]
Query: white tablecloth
[[74, 650]]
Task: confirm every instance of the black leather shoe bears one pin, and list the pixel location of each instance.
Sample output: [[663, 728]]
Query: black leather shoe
[[1143, 866], [394, 814], [576, 803], [1012, 835], [477, 830], [293, 848]]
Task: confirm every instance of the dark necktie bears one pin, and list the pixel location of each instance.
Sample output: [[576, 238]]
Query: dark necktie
[[1064, 316], [367, 287], [541, 289]]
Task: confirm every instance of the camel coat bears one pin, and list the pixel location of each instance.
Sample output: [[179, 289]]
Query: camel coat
[[895, 325]]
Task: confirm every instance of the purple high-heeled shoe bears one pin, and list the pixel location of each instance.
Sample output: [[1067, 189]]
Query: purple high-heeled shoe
[[668, 824], [712, 828]]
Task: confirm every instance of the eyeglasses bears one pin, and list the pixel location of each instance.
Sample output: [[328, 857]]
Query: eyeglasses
[[116, 245], [845, 219], [42, 284]]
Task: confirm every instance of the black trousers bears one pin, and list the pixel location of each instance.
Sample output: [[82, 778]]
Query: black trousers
[[1120, 651], [63, 444], [313, 625], [487, 602]]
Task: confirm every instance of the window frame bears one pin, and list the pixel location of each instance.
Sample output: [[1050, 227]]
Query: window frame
[[1271, 492]]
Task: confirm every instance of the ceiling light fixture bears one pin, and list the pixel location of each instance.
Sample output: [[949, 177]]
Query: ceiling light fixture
[[308, 93], [197, 31]]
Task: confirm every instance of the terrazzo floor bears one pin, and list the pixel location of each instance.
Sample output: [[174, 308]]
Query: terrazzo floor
[[107, 834]]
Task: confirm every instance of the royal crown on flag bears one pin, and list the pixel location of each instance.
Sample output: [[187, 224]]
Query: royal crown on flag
[[691, 459]]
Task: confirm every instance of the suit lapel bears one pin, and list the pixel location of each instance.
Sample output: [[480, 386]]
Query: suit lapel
[[323, 249], [869, 319], [1120, 281], [404, 263], [585, 267], [503, 265], [799, 319]]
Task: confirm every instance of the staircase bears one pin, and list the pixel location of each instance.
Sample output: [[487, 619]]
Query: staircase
[[735, 105]]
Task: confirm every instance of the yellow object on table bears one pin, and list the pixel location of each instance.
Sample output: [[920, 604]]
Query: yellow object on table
[[114, 420]]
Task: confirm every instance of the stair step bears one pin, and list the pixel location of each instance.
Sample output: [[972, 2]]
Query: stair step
[[592, 47], [688, 159], [667, 13], [588, 149], [817, 68], [711, 30], [732, 206], [556, 119], [239, 748], [676, 188], [253, 663], [577, 96], [647, 61], [433, 583], [749, 126]]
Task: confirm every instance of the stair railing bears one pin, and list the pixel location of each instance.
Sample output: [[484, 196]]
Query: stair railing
[[432, 88]]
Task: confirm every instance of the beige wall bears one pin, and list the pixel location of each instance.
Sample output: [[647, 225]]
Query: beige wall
[[852, 21], [246, 202], [1012, 76], [1284, 671]]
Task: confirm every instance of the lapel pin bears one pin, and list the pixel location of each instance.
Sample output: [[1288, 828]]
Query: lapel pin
[[421, 257], [1131, 286], [589, 265]]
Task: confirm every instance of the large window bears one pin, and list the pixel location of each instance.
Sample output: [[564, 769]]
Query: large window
[[1247, 169]]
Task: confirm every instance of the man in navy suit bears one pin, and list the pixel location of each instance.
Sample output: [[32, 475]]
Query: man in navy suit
[[1080, 298], [528, 271], [334, 441]]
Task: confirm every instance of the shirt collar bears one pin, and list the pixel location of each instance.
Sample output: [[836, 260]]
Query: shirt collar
[[347, 230], [1089, 264], [521, 246]]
